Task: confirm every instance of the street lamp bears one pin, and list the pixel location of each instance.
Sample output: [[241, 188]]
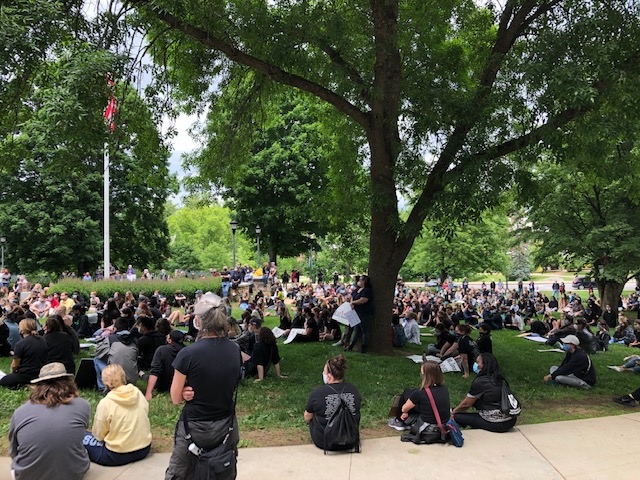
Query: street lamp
[[234, 227], [258, 232], [3, 240]]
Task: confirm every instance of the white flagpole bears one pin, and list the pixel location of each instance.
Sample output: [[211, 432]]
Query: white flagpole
[[107, 260]]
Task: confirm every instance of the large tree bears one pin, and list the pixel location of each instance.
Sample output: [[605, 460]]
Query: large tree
[[51, 203], [441, 90]]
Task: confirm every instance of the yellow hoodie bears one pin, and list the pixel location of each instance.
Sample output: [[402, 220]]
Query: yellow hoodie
[[122, 420]]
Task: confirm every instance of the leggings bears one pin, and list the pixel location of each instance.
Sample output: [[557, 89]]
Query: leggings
[[474, 420]]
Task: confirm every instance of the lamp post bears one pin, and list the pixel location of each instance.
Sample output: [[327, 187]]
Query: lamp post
[[3, 240], [234, 227], [258, 232]]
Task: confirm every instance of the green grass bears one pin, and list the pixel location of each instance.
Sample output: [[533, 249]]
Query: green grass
[[270, 413]]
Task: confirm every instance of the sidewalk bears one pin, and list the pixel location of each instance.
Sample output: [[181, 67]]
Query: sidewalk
[[599, 448]]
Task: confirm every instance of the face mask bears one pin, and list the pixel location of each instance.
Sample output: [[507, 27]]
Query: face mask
[[566, 347], [476, 369], [324, 378], [437, 334], [196, 323]]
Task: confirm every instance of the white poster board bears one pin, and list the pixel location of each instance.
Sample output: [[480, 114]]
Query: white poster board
[[346, 315], [293, 334], [450, 365]]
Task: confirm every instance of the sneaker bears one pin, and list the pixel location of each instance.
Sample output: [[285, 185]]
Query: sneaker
[[337, 344], [625, 400], [616, 368], [397, 424]]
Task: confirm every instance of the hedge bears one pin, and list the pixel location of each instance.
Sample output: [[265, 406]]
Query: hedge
[[106, 289]]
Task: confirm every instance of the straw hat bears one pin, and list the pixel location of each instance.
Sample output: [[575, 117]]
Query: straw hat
[[51, 371]]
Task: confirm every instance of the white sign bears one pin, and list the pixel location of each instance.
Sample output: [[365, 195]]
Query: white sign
[[346, 315]]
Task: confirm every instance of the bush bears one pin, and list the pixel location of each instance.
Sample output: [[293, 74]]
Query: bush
[[106, 289]]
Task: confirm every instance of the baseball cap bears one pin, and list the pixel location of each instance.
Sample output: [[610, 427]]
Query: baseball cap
[[571, 339]]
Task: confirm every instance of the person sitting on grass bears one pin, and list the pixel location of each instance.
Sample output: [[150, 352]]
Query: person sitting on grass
[[332, 330], [444, 341], [29, 356], [415, 402], [161, 371], [467, 348], [630, 400], [311, 330], [623, 334], [576, 370], [121, 432], [485, 396], [265, 354], [411, 329], [484, 342]]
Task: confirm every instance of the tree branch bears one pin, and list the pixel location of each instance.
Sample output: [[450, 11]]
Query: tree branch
[[274, 72]]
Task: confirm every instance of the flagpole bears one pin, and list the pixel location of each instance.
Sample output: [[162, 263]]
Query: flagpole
[[107, 260]]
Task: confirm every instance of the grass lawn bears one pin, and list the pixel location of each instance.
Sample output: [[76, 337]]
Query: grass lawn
[[270, 413]]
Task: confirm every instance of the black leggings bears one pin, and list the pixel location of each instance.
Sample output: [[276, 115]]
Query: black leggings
[[15, 380], [474, 420], [636, 394]]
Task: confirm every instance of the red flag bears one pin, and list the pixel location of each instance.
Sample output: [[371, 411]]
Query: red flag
[[112, 106]]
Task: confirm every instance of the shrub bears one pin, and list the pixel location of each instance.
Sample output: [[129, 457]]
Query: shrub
[[106, 289]]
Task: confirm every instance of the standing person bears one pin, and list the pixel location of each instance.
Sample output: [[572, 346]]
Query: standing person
[[576, 370], [206, 376], [265, 274], [225, 277], [131, 274], [53, 413], [362, 303], [121, 432], [322, 401], [29, 355], [485, 396]]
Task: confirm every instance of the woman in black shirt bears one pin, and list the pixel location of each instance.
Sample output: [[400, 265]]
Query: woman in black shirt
[[485, 395], [265, 354], [362, 303], [59, 344]]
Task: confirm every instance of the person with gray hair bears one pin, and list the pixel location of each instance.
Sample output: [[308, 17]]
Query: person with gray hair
[[206, 375]]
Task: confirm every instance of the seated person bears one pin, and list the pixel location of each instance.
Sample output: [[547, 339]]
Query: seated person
[[485, 396], [576, 370], [311, 330], [602, 336], [60, 347], [415, 402], [45, 433], [561, 328], [632, 364], [161, 371], [332, 330], [537, 327], [321, 403], [148, 342], [398, 337], [467, 348], [444, 341], [623, 333], [265, 354], [29, 356], [121, 432], [411, 329], [484, 342]]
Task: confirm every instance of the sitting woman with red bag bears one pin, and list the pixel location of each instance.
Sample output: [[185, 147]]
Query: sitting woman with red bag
[[416, 404]]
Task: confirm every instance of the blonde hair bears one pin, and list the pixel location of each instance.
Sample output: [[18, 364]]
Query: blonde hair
[[27, 326], [113, 376]]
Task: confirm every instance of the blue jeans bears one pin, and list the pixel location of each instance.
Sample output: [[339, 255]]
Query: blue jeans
[[265, 279], [100, 365], [100, 454], [632, 364], [225, 289]]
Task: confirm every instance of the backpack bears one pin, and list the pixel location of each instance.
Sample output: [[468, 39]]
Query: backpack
[[399, 337], [451, 430], [342, 431], [509, 404]]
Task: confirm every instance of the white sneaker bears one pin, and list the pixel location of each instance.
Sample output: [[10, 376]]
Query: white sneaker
[[337, 344], [616, 368]]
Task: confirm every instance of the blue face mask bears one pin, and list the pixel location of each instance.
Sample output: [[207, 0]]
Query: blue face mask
[[566, 347], [476, 369]]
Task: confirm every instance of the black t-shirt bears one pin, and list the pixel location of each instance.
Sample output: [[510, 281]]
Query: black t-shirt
[[365, 308], [444, 338], [323, 402], [487, 395], [147, 346], [212, 367], [334, 325], [485, 343], [315, 330], [441, 397], [32, 352], [60, 349], [467, 345], [265, 355]]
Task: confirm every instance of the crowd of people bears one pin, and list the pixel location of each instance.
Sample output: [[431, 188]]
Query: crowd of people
[[136, 338]]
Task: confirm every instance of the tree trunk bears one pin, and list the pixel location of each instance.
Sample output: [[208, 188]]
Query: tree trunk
[[610, 291]]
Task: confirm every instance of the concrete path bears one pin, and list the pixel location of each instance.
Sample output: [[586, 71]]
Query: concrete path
[[599, 448]]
